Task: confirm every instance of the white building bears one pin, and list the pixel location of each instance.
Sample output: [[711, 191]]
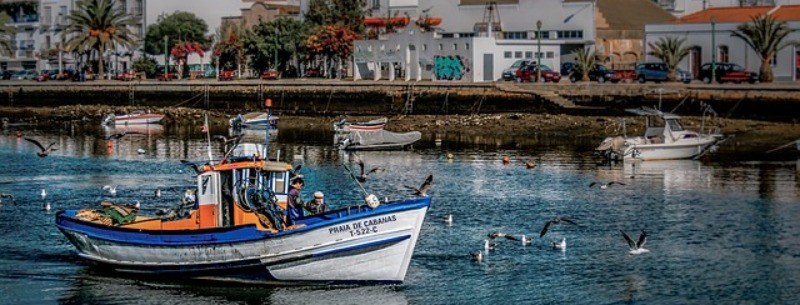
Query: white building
[[680, 8], [464, 38], [697, 30]]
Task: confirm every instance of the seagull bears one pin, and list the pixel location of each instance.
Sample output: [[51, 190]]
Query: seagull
[[112, 190], [296, 172], [137, 205], [44, 194], [46, 206], [141, 151], [450, 156], [523, 239], [636, 247], [448, 219], [116, 136], [423, 189], [44, 150], [506, 160], [556, 220], [157, 193], [363, 176], [488, 246], [562, 245], [476, 256], [225, 141], [192, 165], [530, 164], [6, 195], [189, 197], [605, 186], [496, 234]]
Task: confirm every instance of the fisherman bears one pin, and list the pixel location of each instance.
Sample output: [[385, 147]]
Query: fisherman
[[317, 205], [294, 204]]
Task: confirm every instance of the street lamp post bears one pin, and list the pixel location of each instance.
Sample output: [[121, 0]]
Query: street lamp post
[[713, 50], [538, 50], [277, 32], [166, 58]]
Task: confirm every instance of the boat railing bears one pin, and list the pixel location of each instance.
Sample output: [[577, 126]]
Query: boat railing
[[709, 130]]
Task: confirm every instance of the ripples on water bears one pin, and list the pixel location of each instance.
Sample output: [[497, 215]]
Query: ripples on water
[[721, 230]]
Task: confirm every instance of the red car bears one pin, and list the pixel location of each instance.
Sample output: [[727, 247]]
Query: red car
[[126, 76], [269, 74], [529, 73], [227, 74], [167, 76]]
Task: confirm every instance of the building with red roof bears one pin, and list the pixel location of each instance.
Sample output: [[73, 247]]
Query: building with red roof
[[711, 29]]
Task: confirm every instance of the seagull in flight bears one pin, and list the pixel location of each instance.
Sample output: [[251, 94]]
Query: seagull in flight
[[561, 245], [636, 247], [605, 186], [6, 196], [112, 190], [44, 150], [556, 220], [423, 189], [363, 176], [488, 246]]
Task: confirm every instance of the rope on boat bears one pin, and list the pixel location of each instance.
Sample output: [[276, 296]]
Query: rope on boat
[[353, 176]]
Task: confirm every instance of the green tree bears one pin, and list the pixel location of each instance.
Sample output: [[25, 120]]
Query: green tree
[[669, 50], [764, 35], [145, 64], [347, 13], [585, 59], [97, 25], [284, 35], [229, 50], [7, 34], [179, 28]]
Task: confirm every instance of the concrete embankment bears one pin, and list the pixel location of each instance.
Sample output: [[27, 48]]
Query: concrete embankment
[[780, 102]]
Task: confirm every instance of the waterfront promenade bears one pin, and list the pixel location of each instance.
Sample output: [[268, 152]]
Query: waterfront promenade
[[775, 101]]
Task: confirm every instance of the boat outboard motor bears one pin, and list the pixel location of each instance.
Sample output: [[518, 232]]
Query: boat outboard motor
[[108, 119], [610, 146]]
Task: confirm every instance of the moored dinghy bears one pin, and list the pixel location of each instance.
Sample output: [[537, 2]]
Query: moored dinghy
[[133, 118], [236, 229]]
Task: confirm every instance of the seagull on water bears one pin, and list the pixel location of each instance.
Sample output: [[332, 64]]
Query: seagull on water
[[522, 239], [476, 256], [448, 219], [47, 206], [487, 246], [141, 151], [506, 160], [636, 248], [556, 220], [112, 190], [606, 185], [44, 194], [157, 193], [496, 234], [43, 150], [530, 164], [423, 189], [561, 245]]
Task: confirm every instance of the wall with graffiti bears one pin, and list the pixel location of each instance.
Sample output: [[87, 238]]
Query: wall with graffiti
[[452, 67]]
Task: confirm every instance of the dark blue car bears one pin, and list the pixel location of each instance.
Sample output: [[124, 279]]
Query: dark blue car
[[657, 72]]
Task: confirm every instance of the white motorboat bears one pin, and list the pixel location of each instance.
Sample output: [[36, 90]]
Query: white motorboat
[[664, 139], [371, 125], [133, 118], [254, 120]]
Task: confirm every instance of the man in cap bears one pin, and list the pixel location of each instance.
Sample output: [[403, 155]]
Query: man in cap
[[317, 205]]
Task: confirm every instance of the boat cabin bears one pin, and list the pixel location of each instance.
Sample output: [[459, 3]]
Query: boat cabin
[[232, 194]]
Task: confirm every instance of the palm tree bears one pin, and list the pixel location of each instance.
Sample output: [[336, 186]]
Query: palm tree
[[585, 59], [669, 50], [7, 34], [764, 35], [97, 25]]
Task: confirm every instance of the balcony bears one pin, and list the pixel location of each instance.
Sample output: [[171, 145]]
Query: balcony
[[24, 19]]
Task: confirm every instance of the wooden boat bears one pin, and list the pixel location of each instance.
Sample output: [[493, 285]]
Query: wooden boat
[[371, 125], [664, 139], [398, 21], [133, 118], [254, 120], [235, 229], [375, 140]]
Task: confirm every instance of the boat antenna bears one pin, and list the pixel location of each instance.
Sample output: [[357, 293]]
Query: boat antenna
[[208, 137], [268, 107]]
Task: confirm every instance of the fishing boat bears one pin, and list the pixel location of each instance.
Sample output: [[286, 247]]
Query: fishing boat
[[664, 139], [372, 125], [133, 118], [233, 227], [375, 140], [254, 120]]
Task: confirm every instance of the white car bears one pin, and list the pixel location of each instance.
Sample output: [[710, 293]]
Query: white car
[[24, 75], [511, 72]]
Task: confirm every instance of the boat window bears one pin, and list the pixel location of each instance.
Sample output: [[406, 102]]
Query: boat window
[[279, 181], [205, 187], [674, 125]]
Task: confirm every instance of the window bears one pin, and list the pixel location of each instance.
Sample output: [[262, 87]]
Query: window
[[515, 35], [570, 34], [466, 34], [722, 54], [441, 47], [545, 34], [528, 54], [424, 47], [466, 46], [447, 35], [518, 54], [507, 54], [376, 4], [455, 46], [46, 19], [62, 15], [550, 54]]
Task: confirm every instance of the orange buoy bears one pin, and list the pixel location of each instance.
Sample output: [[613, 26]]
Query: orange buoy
[[268, 103]]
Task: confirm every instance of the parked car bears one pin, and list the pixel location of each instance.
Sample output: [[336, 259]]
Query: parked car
[[599, 73], [313, 72], [510, 73], [530, 73], [46, 75], [126, 76], [727, 72], [167, 76], [269, 74], [6, 74], [24, 75], [227, 74], [566, 68], [657, 72]]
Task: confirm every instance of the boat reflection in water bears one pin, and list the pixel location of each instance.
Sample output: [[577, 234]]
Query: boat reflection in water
[[140, 129]]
